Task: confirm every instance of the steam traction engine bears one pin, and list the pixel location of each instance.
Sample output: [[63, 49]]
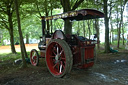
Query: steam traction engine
[[62, 51]]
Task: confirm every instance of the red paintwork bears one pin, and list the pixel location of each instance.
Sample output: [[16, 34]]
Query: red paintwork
[[76, 49], [42, 53], [82, 48]]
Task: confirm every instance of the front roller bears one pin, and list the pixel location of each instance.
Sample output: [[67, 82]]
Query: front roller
[[59, 58], [34, 57]]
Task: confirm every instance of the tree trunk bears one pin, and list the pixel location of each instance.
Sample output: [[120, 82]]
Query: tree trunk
[[84, 27], [1, 36], [22, 46], [67, 26], [51, 22], [78, 29], [97, 32], [11, 33], [27, 39], [48, 26], [110, 37], [51, 15], [119, 31], [111, 33], [66, 4], [122, 19], [120, 24], [12, 41], [107, 46], [118, 42], [123, 34], [89, 30], [46, 14]]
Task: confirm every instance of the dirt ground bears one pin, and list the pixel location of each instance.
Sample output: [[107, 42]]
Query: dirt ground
[[110, 69]]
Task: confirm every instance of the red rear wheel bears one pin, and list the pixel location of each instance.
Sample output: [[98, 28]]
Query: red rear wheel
[[58, 58], [34, 57]]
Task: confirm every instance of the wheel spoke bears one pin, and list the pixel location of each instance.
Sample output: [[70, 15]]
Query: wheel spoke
[[57, 50], [53, 60], [55, 65], [61, 52], [34, 61], [34, 53], [63, 58], [57, 56], [54, 52], [65, 62], [52, 56], [34, 57], [54, 49], [58, 67], [61, 65]]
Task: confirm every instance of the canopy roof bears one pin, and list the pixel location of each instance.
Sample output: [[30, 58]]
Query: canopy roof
[[83, 14]]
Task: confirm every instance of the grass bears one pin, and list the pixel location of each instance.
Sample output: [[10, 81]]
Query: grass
[[114, 44], [10, 56]]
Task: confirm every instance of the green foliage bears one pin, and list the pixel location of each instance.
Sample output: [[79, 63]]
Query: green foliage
[[30, 11], [4, 36], [31, 26], [78, 28], [114, 44]]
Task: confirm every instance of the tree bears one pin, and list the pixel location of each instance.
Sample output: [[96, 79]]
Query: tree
[[97, 32], [68, 6], [22, 46], [107, 46], [47, 6], [0, 36], [7, 9], [122, 5]]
